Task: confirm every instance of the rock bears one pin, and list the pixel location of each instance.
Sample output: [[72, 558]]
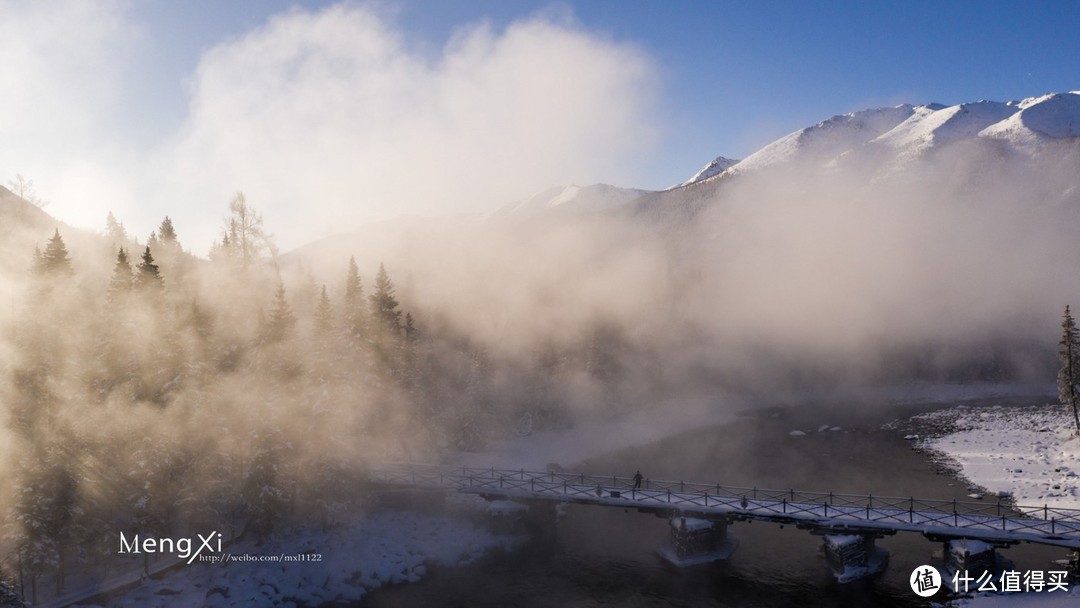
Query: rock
[[797, 434]]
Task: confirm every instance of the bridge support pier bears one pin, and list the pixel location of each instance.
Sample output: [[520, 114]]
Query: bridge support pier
[[1072, 565], [853, 556], [698, 541], [968, 555]]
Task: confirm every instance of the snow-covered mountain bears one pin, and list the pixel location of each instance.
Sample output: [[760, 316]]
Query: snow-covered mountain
[[904, 132], [715, 167], [829, 138]]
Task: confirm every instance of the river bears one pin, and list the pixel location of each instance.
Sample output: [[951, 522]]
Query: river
[[596, 556]]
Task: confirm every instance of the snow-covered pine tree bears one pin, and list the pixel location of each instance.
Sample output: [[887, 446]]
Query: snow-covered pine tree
[[1069, 374]]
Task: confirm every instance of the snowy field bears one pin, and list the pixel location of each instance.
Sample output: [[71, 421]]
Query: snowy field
[[1030, 453], [386, 548]]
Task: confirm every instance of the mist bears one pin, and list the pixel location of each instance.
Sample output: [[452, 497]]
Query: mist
[[156, 391], [147, 389], [952, 267]]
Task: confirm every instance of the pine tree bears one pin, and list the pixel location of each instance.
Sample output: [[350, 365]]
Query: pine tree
[[282, 319], [1069, 375], [323, 337], [324, 316], [55, 260], [147, 276], [354, 309], [38, 265], [166, 232], [224, 251], [121, 277], [384, 304]]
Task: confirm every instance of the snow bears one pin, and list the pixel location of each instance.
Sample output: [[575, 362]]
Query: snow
[[1021, 452], [967, 546], [910, 130], [384, 548], [930, 126], [842, 540], [1055, 116], [693, 524], [829, 138], [1028, 453], [715, 167]]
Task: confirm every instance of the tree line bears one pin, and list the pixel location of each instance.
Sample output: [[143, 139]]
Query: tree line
[[151, 392]]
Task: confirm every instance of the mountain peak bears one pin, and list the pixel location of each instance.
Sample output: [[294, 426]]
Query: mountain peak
[[715, 167], [908, 131]]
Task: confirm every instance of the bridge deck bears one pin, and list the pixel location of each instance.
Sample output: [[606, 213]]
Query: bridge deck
[[820, 511]]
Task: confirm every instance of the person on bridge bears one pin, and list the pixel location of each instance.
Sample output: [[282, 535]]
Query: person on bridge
[[637, 480]]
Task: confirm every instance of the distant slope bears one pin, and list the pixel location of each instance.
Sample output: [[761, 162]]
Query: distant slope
[[597, 197]]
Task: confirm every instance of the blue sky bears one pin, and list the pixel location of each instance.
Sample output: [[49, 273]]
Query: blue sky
[[134, 111]]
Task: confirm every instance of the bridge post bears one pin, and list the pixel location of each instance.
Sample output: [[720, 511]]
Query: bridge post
[[853, 556], [973, 557], [697, 541]]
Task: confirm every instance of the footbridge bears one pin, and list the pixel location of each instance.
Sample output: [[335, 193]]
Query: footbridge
[[867, 517]]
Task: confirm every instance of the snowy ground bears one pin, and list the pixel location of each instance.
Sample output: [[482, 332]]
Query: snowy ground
[[1030, 453], [385, 548]]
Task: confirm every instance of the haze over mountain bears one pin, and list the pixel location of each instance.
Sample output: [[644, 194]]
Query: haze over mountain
[[939, 232]]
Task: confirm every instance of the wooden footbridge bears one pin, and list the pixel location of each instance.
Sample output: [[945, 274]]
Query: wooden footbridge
[[993, 521]]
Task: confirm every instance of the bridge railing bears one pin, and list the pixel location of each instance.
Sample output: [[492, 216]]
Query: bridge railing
[[864, 507]]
